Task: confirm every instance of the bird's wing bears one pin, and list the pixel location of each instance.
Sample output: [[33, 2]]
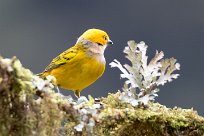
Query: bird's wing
[[63, 58]]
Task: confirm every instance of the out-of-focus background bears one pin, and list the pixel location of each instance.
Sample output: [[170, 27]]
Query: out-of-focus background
[[37, 31]]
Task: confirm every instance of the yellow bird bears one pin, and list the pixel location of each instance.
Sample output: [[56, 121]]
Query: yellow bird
[[81, 65]]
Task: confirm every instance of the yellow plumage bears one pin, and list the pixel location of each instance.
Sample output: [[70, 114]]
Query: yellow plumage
[[82, 64]]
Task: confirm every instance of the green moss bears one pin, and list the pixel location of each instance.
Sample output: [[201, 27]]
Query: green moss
[[22, 112], [156, 119]]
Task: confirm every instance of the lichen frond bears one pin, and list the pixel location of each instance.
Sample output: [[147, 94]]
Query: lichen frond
[[142, 78]]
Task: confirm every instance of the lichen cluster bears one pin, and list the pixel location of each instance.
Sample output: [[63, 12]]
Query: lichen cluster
[[29, 106], [22, 112]]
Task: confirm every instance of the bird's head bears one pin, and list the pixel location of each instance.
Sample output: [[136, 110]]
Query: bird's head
[[96, 36]]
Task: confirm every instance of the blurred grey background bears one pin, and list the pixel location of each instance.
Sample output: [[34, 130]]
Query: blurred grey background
[[37, 31]]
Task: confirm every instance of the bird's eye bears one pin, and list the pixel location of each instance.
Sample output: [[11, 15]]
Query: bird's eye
[[105, 37]]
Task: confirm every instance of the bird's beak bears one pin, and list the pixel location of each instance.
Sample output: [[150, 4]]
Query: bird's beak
[[109, 42]]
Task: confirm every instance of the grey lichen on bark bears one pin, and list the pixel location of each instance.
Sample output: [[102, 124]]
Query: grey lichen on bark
[[30, 109]]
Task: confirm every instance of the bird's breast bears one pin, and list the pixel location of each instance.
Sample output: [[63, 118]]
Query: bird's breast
[[81, 73], [94, 66]]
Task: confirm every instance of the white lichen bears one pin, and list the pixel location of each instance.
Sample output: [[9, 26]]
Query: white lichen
[[143, 78], [79, 127], [7, 64], [43, 85], [85, 112]]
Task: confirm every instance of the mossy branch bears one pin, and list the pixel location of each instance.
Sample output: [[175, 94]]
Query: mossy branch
[[27, 109]]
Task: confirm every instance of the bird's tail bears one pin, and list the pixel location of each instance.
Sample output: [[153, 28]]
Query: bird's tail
[[39, 74], [42, 75]]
